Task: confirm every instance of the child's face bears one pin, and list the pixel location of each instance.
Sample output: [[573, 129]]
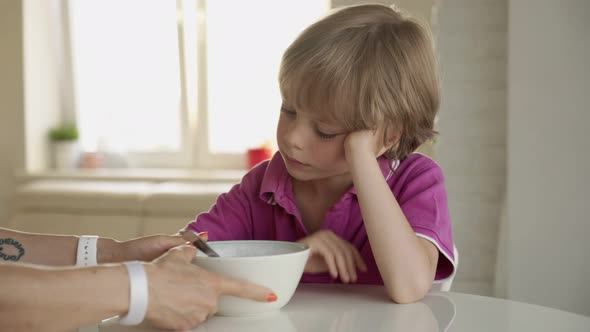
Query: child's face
[[312, 147]]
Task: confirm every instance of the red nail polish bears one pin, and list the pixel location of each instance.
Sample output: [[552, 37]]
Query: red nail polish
[[271, 298]]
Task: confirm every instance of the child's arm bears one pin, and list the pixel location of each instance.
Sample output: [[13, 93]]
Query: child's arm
[[407, 263], [230, 218]]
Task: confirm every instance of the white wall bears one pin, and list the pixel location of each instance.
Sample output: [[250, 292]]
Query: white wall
[[471, 148], [41, 71], [25, 118], [12, 139], [548, 212]]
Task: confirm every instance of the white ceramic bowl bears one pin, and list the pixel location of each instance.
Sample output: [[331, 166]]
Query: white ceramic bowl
[[277, 265]]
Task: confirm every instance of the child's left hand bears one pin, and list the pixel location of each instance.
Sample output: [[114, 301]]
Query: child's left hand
[[361, 142], [331, 253]]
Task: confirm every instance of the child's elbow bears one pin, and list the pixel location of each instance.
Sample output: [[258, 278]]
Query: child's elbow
[[406, 298], [409, 294]]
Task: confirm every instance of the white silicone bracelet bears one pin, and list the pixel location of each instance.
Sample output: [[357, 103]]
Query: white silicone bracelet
[[86, 255], [138, 294]]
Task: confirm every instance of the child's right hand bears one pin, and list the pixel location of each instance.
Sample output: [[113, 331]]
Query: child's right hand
[[329, 252]]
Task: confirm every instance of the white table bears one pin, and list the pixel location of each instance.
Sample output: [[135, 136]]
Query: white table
[[336, 308]]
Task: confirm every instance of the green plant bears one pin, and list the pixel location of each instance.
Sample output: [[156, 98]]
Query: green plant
[[63, 133]]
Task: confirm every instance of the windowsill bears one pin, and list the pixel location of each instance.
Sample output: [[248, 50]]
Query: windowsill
[[146, 192], [135, 174]]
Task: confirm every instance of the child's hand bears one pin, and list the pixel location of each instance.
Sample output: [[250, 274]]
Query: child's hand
[[329, 252], [364, 142]]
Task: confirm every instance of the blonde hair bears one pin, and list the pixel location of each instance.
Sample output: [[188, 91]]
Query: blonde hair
[[365, 67]]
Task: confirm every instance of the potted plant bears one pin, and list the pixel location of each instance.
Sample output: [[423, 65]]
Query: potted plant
[[64, 140]]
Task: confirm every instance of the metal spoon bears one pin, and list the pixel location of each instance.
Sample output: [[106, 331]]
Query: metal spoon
[[201, 244]]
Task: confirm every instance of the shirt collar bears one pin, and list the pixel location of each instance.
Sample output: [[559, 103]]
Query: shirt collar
[[275, 179]]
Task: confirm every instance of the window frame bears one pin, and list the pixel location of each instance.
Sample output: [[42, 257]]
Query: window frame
[[194, 152]]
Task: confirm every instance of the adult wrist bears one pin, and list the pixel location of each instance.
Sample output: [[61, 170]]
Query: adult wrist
[[138, 294], [86, 254], [108, 251]]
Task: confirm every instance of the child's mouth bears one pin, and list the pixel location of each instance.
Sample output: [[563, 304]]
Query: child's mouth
[[294, 162]]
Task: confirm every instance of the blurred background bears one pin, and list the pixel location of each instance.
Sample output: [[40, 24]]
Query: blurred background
[[125, 118]]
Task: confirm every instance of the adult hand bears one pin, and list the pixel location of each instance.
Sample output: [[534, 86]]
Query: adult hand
[[183, 295], [329, 252], [144, 248]]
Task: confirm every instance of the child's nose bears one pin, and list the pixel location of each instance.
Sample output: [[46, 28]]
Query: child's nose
[[296, 136]]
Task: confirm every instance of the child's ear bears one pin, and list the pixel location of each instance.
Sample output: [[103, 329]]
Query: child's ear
[[392, 137]]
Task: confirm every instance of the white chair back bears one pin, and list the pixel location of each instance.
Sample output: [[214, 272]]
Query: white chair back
[[445, 284]]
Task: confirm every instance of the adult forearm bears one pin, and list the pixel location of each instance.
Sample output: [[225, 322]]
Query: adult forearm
[[33, 248], [50, 299], [50, 249], [402, 259]]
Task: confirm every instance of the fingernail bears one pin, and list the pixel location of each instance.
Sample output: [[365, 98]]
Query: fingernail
[[271, 298], [204, 234]]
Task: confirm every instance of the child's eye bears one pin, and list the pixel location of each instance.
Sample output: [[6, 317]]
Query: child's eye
[[323, 135], [289, 113]]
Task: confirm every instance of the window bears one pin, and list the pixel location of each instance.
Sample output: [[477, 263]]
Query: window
[[172, 83]]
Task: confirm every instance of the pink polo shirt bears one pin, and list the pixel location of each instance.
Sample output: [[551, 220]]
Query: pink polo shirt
[[262, 207]]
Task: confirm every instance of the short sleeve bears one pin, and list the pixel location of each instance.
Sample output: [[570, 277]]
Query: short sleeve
[[230, 218], [423, 199]]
